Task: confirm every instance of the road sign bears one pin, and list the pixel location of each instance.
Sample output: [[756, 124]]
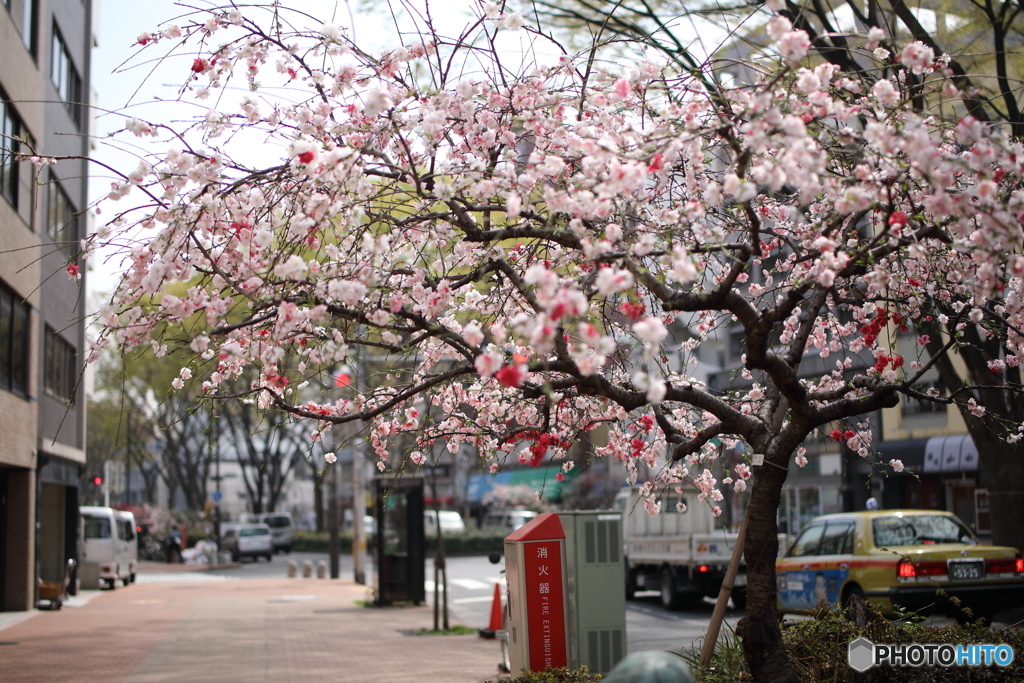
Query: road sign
[[113, 476], [217, 495]]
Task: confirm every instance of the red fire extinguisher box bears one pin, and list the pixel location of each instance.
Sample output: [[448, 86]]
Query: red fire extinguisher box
[[535, 570]]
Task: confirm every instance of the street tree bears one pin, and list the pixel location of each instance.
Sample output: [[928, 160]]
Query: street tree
[[267, 446], [148, 406], [515, 229], [982, 48]]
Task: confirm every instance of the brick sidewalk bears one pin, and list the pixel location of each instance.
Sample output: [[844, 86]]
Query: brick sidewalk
[[251, 630]]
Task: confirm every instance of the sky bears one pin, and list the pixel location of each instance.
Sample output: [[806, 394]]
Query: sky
[[131, 82]]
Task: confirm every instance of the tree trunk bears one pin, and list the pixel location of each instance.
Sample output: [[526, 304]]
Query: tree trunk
[[1001, 462], [759, 629]]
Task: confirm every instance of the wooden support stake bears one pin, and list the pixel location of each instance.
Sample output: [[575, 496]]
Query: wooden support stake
[[723, 598]]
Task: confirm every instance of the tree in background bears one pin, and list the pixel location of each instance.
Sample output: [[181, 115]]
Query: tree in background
[[516, 230], [107, 438], [981, 47], [169, 439], [267, 446]]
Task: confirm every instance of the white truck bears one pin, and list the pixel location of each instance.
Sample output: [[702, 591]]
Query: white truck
[[681, 555]]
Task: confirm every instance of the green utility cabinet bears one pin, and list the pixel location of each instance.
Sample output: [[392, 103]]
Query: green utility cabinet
[[595, 577]]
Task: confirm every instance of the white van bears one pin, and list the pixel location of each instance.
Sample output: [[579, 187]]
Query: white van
[[282, 527], [451, 522], [108, 544], [131, 537], [507, 520]]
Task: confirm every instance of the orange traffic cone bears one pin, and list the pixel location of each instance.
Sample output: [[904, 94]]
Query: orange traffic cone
[[492, 630]]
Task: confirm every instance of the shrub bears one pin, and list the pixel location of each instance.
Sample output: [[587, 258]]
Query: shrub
[[319, 542], [817, 649], [472, 541], [553, 675]]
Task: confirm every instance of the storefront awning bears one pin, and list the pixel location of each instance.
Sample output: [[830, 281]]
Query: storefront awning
[[954, 453]]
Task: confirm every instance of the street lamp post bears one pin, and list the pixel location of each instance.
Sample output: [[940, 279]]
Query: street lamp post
[[358, 514], [333, 548]]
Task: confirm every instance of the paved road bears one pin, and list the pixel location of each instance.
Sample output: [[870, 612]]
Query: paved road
[[471, 583], [471, 589]]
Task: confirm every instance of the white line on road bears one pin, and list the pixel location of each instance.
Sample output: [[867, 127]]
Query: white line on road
[[481, 598], [182, 577], [468, 584]]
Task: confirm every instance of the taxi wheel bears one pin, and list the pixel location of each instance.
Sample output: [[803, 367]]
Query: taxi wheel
[[856, 605], [976, 618]]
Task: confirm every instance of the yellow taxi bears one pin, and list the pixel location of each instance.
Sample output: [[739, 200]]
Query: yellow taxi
[[898, 558]]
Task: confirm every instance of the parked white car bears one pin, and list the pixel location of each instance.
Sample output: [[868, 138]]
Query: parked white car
[[507, 520], [109, 546], [249, 540], [281, 527], [451, 522]]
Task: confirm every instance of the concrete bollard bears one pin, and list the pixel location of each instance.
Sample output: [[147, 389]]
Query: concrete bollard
[[321, 570], [293, 569], [307, 569]]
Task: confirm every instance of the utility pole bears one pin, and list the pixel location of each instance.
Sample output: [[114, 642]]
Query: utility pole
[[217, 495], [128, 464], [358, 514], [333, 548]]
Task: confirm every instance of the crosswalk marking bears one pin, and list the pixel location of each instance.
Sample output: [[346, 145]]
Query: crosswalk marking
[[479, 598], [468, 584]]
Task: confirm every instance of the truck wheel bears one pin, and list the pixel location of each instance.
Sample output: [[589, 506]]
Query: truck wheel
[[739, 598], [670, 598]]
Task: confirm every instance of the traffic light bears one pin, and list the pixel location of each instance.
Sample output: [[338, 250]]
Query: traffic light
[[98, 481]]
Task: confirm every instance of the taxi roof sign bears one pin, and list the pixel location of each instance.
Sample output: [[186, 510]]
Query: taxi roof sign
[[544, 526]]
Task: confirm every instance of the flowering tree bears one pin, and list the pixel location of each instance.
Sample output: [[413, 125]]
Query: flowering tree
[[971, 40], [516, 240]]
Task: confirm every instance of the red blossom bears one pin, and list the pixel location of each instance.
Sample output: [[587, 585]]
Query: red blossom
[[306, 157], [511, 375], [898, 218], [199, 65], [278, 382], [836, 435], [73, 271], [559, 477], [633, 310]]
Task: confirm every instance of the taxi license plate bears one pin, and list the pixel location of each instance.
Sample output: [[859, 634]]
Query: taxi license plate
[[965, 571]]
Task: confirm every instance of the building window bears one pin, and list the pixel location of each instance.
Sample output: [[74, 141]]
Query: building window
[[913, 406], [14, 344], [61, 369], [10, 131], [62, 220], [23, 13], [65, 77]]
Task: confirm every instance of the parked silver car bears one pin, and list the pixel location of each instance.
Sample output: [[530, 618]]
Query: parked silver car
[[249, 540]]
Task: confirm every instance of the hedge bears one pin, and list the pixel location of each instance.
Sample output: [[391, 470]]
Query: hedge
[[818, 649]]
